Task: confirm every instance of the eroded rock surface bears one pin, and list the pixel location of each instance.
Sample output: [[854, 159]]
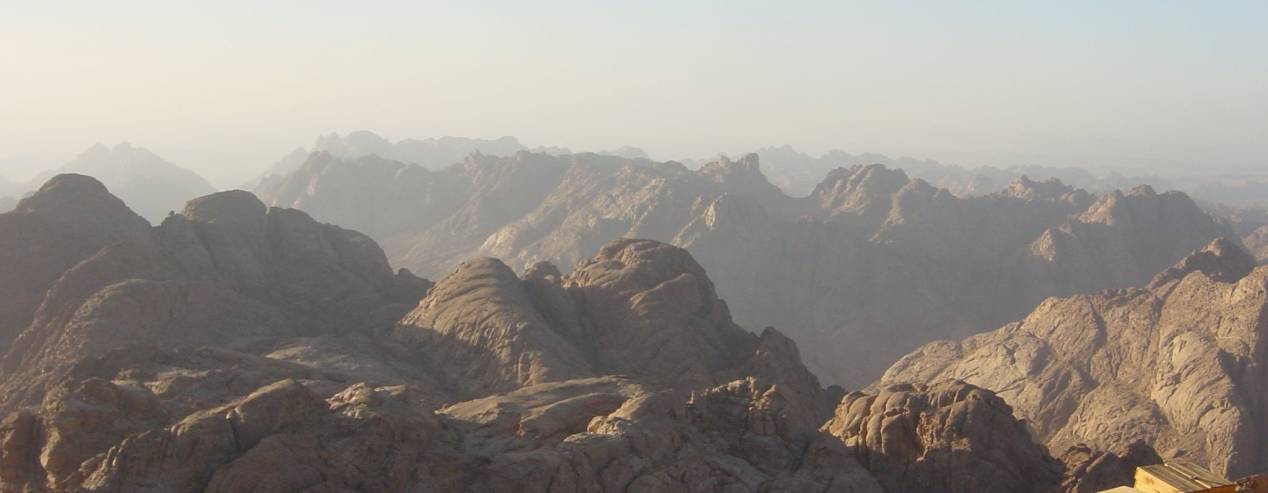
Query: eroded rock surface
[[949, 437]]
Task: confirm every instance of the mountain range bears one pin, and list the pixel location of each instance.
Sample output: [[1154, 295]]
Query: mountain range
[[432, 153], [797, 173], [582, 323], [238, 347], [866, 268]]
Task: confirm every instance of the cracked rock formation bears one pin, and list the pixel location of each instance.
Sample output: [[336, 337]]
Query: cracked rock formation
[[949, 437]]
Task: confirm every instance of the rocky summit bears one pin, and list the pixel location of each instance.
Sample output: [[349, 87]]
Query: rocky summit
[[865, 268], [237, 347]]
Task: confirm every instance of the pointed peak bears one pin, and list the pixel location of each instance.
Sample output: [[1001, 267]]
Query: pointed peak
[[1025, 188], [1142, 189], [1223, 260], [725, 165], [859, 186]]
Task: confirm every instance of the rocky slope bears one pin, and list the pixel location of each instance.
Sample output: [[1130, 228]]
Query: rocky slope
[[237, 348], [1257, 243], [1179, 363], [66, 221], [864, 269], [150, 185]]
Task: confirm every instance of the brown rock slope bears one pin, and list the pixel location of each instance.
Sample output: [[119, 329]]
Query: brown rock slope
[[67, 220], [238, 348], [1179, 363], [866, 268], [1257, 243]]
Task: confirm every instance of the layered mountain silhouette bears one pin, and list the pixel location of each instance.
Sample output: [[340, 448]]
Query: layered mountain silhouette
[[152, 186], [797, 173], [867, 267], [1178, 363], [237, 347], [431, 153]]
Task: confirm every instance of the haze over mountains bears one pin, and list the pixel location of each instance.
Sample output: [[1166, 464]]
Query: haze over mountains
[[631, 247], [266, 341], [151, 185], [864, 269], [794, 172], [429, 153], [797, 173]]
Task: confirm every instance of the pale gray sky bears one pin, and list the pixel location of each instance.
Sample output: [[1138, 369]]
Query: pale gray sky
[[226, 88]]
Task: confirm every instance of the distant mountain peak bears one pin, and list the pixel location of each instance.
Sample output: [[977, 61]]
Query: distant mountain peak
[[146, 182]]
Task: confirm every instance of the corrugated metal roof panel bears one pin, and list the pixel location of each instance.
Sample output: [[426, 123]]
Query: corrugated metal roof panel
[[1180, 477]]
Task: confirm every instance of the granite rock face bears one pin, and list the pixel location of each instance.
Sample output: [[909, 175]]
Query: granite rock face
[[826, 267], [1178, 364]]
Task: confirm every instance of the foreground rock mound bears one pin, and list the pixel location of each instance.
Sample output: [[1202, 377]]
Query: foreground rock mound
[[867, 267], [1178, 364], [951, 437]]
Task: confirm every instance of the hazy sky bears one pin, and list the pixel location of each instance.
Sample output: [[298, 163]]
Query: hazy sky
[[226, 89]]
